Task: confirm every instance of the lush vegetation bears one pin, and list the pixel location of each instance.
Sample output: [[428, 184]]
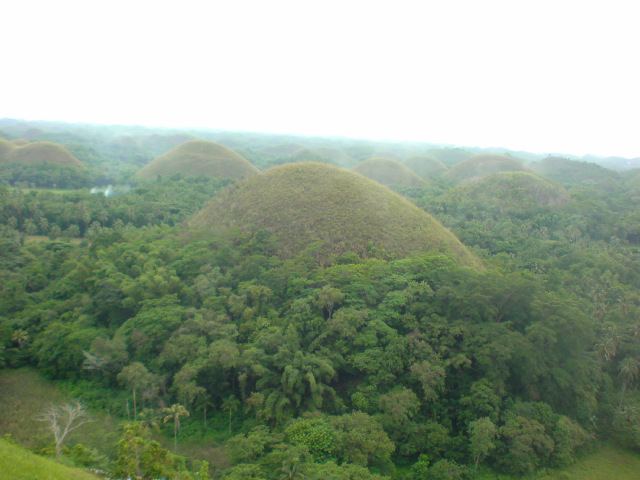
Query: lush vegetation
[[241, 343]]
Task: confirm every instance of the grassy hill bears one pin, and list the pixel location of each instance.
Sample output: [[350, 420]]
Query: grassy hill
[[571, 173], [509, 192], [450, 156], [199, 157], [480, 166], [17, 463], [425, 166], [388, 172], [303, 203], [6, 147], [37, 153]]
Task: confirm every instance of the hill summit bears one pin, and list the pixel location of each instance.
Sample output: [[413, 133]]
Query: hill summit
[[332, 209], [199, 157]]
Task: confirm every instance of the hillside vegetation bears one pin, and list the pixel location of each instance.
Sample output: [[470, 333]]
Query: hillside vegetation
[[339, 211], [199, 157], [309, 323]]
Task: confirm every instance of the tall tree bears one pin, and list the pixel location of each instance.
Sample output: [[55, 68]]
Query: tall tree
[[61, 420], [173, 414]]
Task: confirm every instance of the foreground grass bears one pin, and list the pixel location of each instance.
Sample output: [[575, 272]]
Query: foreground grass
[[18, 463], [608, 463]]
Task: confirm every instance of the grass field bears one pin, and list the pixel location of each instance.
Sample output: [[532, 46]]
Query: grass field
[[608, 463], [17, 463]]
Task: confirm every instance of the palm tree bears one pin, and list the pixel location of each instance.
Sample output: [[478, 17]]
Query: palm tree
[[629, 370], [173, 414], [230, 404]]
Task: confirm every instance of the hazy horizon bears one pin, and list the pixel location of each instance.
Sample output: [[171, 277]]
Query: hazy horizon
[[542, 77]]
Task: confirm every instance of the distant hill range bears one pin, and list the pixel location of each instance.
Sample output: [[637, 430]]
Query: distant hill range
[[479, 166], [571, 173]]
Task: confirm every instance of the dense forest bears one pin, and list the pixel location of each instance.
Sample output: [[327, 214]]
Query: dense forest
[[239, 353]]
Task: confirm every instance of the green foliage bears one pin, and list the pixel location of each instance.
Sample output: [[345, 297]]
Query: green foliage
[[316, 434], [139, 456]]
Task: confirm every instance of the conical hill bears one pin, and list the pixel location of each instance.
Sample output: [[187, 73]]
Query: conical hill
[[425, 166], [37, 153], [334, 210], [199, 157], [509, 192], [388, 172], [480, 166], [6, 147]]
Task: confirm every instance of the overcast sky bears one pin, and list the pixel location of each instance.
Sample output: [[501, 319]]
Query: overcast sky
[[545, 76]]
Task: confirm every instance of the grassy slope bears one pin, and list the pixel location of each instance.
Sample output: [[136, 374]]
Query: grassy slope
[[24, 395], [199, 157], [481, 166], [6, 148], [17, 463], [43, 152], [388, 172], [304, 202], [608, 463]]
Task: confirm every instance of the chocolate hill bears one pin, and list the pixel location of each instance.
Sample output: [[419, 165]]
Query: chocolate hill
[[332, 209], [199, 157]]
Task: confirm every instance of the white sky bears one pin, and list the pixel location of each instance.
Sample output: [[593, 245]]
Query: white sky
[[545, 76]]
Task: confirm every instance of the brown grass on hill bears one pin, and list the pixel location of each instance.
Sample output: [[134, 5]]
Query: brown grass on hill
[[450, 156], [425, 166], [199, 157], [6, 147], [335, 210], [510, 192], [480, 166], [37, 153], [20, 142], [388, 172]]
